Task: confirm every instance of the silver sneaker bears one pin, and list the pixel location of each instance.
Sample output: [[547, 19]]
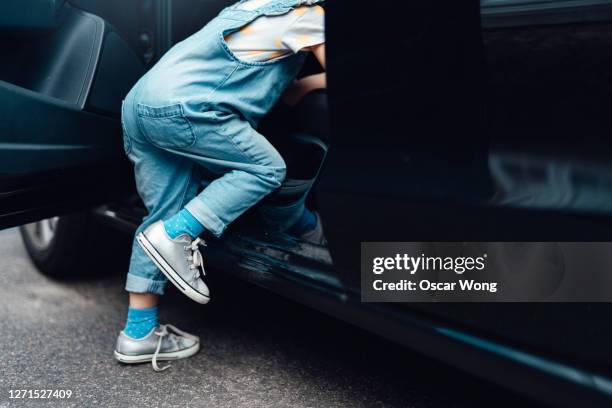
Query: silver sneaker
[[165, 342], [179, 259]]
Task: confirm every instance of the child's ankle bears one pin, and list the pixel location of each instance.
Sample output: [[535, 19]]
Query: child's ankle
[[140, 322], [183, 223]]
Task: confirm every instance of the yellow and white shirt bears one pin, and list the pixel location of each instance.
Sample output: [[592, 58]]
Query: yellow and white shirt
[[272, 37]]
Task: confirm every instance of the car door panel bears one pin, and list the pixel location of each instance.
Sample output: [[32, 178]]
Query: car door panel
[[545, 126], [50, 142], [63, 75], [24, 14], [513, 13]]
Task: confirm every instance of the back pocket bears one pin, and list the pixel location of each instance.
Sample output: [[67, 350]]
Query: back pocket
[[166, 126]]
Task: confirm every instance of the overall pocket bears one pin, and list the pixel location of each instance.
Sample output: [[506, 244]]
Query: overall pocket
[[166, 126]]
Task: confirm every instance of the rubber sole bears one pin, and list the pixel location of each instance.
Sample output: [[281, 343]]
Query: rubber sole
[[167, 270], [147, 358]]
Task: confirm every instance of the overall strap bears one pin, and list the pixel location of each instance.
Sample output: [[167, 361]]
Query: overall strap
[[271, 8], [285, 5]]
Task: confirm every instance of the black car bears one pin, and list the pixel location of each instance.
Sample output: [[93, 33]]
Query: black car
[[444, 121]]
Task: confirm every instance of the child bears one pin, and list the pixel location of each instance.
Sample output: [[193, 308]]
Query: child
[[197, 109]]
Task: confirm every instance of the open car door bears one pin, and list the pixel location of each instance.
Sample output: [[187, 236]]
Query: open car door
[[431, 145], [63, 74], [405, 100]]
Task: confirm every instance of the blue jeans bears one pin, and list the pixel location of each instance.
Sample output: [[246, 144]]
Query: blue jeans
[[196, 110], [170, 145]]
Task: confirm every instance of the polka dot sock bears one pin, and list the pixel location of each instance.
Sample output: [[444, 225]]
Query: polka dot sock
[[183, 223], [140, 322]]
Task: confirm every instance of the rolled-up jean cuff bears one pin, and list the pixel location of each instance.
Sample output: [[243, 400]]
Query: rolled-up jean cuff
[[206, 217], [138, 284]]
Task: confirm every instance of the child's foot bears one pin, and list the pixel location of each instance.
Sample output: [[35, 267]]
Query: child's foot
[[179, 259], [163, 343], [315, 235]]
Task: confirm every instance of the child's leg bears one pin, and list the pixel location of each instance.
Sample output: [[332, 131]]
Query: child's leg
[[165, 182], [249, 168], [142, 315], [166, 143], [143, 300]]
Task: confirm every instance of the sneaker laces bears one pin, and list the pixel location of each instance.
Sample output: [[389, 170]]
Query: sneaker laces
[[196, 261], [163, 333]]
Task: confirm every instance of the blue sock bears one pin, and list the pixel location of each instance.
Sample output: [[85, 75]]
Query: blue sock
[[306, 223], [140, 322], [183, 223]]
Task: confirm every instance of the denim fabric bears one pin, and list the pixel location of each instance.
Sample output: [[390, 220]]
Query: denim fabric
[[200, 106]]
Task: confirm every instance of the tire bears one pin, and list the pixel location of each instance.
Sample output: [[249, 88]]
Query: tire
[[63, 247]]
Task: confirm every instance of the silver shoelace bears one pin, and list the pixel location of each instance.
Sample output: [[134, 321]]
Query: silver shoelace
[[196, 261], [163, 333]]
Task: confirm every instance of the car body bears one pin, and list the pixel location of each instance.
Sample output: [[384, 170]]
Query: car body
[[444, 121]]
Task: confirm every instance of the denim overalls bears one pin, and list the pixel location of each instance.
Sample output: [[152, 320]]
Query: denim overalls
[[195, 113]]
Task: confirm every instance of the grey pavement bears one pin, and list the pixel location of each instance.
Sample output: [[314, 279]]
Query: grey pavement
[[258, 350]]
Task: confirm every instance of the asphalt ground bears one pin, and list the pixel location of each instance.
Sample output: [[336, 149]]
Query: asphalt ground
[[258, 350]]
